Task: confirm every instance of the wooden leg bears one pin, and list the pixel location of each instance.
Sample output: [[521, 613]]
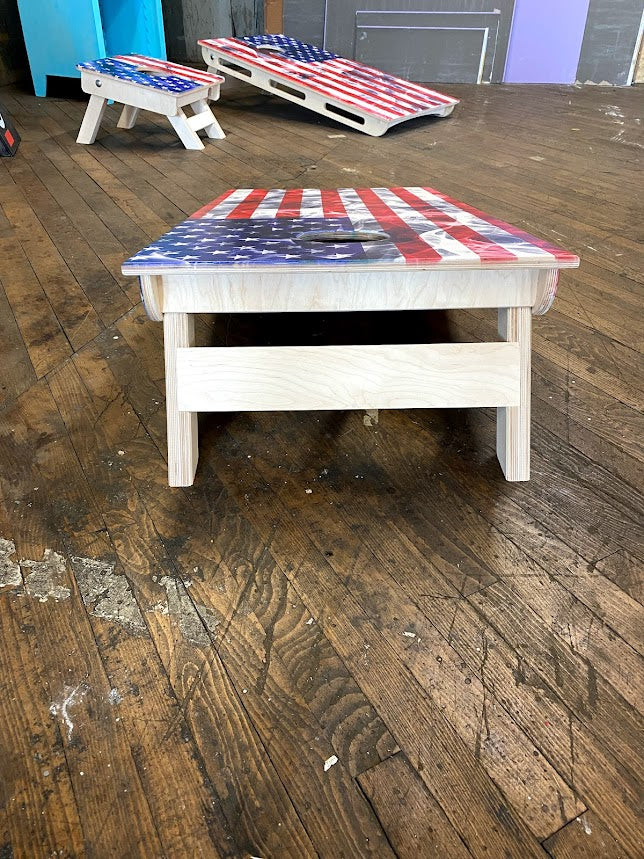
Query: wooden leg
[[189, 137], [183, 447], [128, 116], [92, 119], [513, 422], [203, 110]]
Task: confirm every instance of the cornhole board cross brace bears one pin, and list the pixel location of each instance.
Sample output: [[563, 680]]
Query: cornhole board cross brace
[[9, 137], [145, 83], [356, 95], [354, 249]]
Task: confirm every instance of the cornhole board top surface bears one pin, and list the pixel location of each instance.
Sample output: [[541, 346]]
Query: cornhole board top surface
[[365, 228], [149, 72], [350, 92], [9, 137]]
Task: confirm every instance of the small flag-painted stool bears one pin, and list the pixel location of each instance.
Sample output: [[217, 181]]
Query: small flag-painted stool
[[145, 83], [9, 137], [356, 95]]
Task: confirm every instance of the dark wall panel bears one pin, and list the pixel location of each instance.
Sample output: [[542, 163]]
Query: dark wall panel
[[13, 57], [610, 41], [304, 20], [189, 20], [341, 32]]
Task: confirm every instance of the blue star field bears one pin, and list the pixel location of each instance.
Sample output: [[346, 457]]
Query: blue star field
[[244, 242]]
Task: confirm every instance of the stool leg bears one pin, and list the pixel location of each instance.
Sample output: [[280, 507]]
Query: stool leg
[[189, 137], [513, 422], [183, 446], [214, 130], [92, 119], [128, 116]]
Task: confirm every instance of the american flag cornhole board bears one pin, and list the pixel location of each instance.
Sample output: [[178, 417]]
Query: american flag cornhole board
[[145, 83], [350, 92], [369, 249], [9, 137]]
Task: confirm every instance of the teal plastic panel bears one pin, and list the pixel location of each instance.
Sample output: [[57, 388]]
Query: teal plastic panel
[[58, 34], [133, 28], [61, 33]]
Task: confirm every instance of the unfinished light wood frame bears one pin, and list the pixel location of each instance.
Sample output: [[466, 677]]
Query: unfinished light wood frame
[[383, 376]]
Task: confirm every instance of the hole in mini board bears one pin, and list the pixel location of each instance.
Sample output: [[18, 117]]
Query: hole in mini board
[[235, 68], [146, 70], [341, 236], [278, 85], [269, 49], [345, 113]]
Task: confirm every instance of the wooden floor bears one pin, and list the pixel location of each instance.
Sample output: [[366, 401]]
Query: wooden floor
[[351, 637]]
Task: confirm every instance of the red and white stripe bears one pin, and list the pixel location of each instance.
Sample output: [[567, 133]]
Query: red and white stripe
[[347, 81], [437, 229], [178, 71]]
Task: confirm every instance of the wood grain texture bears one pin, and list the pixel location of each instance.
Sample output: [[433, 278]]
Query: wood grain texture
[[513, 422], [416, 824], [413, 610], [583, 838], [347, 377]]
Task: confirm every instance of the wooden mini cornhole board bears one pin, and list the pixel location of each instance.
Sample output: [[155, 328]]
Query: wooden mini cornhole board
[[9, 137], [357, 95], [368, 249], [145, 83]]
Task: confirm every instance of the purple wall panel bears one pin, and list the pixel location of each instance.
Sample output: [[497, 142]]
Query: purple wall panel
[[545, 41]]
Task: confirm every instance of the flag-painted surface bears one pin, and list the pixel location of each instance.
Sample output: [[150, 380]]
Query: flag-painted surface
[[160, 75], [354, 226], [9, 137], [358, 86]]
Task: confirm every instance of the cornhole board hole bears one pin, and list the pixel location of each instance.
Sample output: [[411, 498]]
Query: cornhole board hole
[[9, 137], [145, 83], [353, 249], [357, 95]]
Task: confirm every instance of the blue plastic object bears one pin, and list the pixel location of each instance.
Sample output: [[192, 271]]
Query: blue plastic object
[[61, 33]]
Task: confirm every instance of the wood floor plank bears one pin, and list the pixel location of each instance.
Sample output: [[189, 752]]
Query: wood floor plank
[[415, 823], [415, 721], [75, 313], [41, 331], [565, 741], [252, 795], [17, 370], [57, 208], [37, 793], [76, 700], [583, 838]]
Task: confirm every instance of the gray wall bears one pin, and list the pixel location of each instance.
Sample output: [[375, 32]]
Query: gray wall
[[610, 41], [186, 21], [13, 57], [606, 55], [440, 47], [304, 19]]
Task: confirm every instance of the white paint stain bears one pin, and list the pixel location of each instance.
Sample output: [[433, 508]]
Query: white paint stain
[[195, 621], [370, 418], [71, 696], [107, 594], [587, 827], [114, 697], [10, 575], [46, 577], [330, 762]]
